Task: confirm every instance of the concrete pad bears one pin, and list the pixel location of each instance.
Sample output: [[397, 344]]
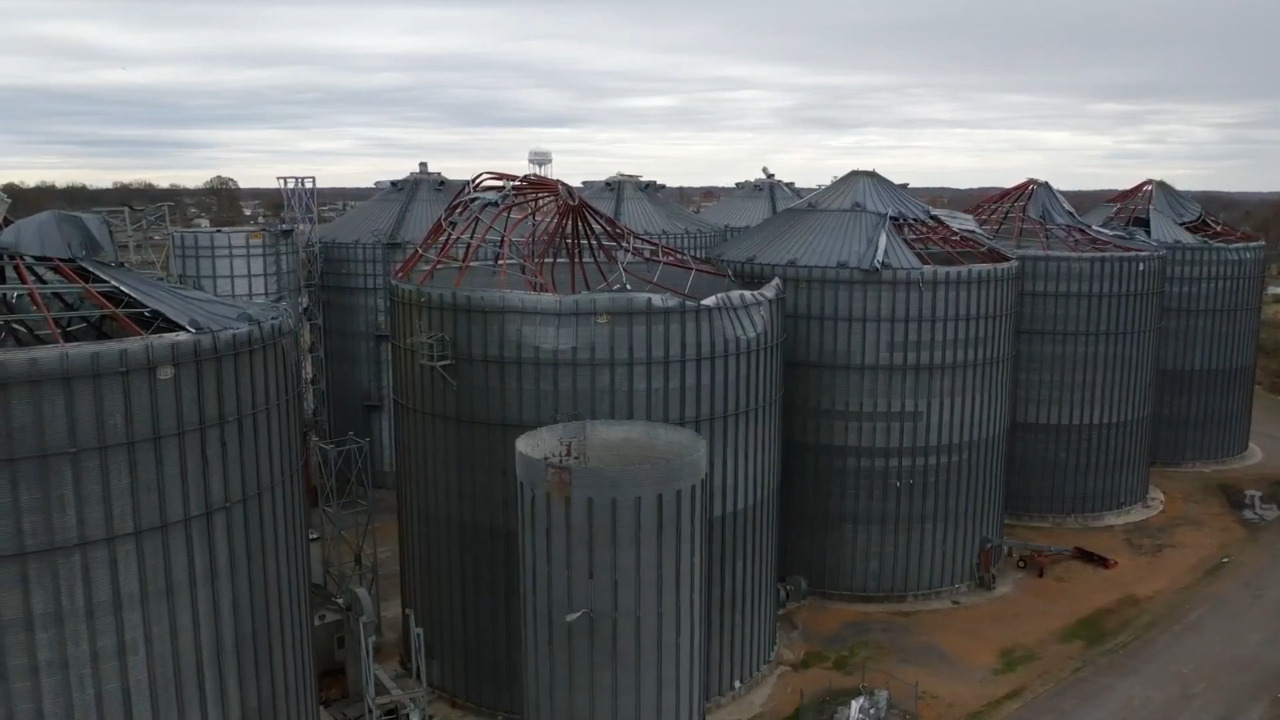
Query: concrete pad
[[1147, 509], [1249, 457]]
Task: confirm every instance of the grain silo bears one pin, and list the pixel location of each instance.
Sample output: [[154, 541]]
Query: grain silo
[[1212, 312], [613, 517], [254, 264], [898, 376], [637, 204], [152, 534], [579, 319], [358, 251], [1088, 328], [750, 203]]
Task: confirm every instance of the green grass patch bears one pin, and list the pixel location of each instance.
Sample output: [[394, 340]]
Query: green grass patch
[[846, 661], [1102, 625], [1013, 658], [812, 659], [991, 708]]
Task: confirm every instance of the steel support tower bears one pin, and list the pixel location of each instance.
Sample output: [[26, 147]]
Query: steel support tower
[[141, 235], [349, 548], [301, 217]]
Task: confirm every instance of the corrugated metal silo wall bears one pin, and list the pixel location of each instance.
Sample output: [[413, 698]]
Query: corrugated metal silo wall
[[697, 244], [1209, 346], [522, 361], [1088, 330], [251, 265], [354, 283], [628, 543], [152, 533], [896, 425]]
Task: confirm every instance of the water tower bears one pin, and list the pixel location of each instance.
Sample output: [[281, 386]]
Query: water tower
[[540, 162]]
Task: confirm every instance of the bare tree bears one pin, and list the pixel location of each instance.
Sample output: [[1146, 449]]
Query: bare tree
[[224, 192]]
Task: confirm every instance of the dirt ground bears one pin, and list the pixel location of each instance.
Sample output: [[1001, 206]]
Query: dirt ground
[[976, 660], [973, 660], [966, 657]]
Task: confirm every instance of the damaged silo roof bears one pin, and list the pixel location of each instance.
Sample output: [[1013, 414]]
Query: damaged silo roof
[[862, 221], [60, 284], [1155, 211], [1033, 215]]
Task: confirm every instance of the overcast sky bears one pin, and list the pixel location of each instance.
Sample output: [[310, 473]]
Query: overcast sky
[[1086, 93]]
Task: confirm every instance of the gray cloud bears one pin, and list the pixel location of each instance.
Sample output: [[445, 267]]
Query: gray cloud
[[1098, 94]]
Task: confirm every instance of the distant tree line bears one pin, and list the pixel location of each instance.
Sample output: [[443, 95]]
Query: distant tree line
[[219, 198]]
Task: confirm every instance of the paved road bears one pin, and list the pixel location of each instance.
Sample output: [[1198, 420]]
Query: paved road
[[1218, 657]]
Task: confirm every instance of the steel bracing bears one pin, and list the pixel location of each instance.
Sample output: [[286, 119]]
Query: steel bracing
[[1133, 206], [349, 547], [141, 235], [301, 217], [51, 301]]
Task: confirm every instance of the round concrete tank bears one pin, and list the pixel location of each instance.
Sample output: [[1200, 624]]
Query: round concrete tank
[[358, 252], [252, 264], [1088, 329], [898, 377], [1203, 408], [476, 365], [152, 531], [613, 532]]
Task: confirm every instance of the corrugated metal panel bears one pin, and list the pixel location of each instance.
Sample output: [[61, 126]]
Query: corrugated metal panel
[[636, 204], [896, 424], [1088, 331], [1089, 326], [751, 203], [803, 237], [401, 213], [1212, 313], [1205, 369], [522, 360], [253, 264], [152, 529], [354, 293], [613, 521], [861, 221], [868, 191]]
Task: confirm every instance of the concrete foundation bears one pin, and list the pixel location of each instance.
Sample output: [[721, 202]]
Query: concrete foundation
[[1245, 459], [1147, 509]]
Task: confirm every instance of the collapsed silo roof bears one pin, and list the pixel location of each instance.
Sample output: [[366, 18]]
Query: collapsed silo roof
[[60, 284], [400, 213], [861, 221], [535, 234], [1033, 215], [752, 202], [1155, 211], [636, 203]]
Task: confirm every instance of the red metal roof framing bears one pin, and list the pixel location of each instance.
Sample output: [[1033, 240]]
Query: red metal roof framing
[[529, 221], [38, 278], [1005, 214], [932, 238]]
